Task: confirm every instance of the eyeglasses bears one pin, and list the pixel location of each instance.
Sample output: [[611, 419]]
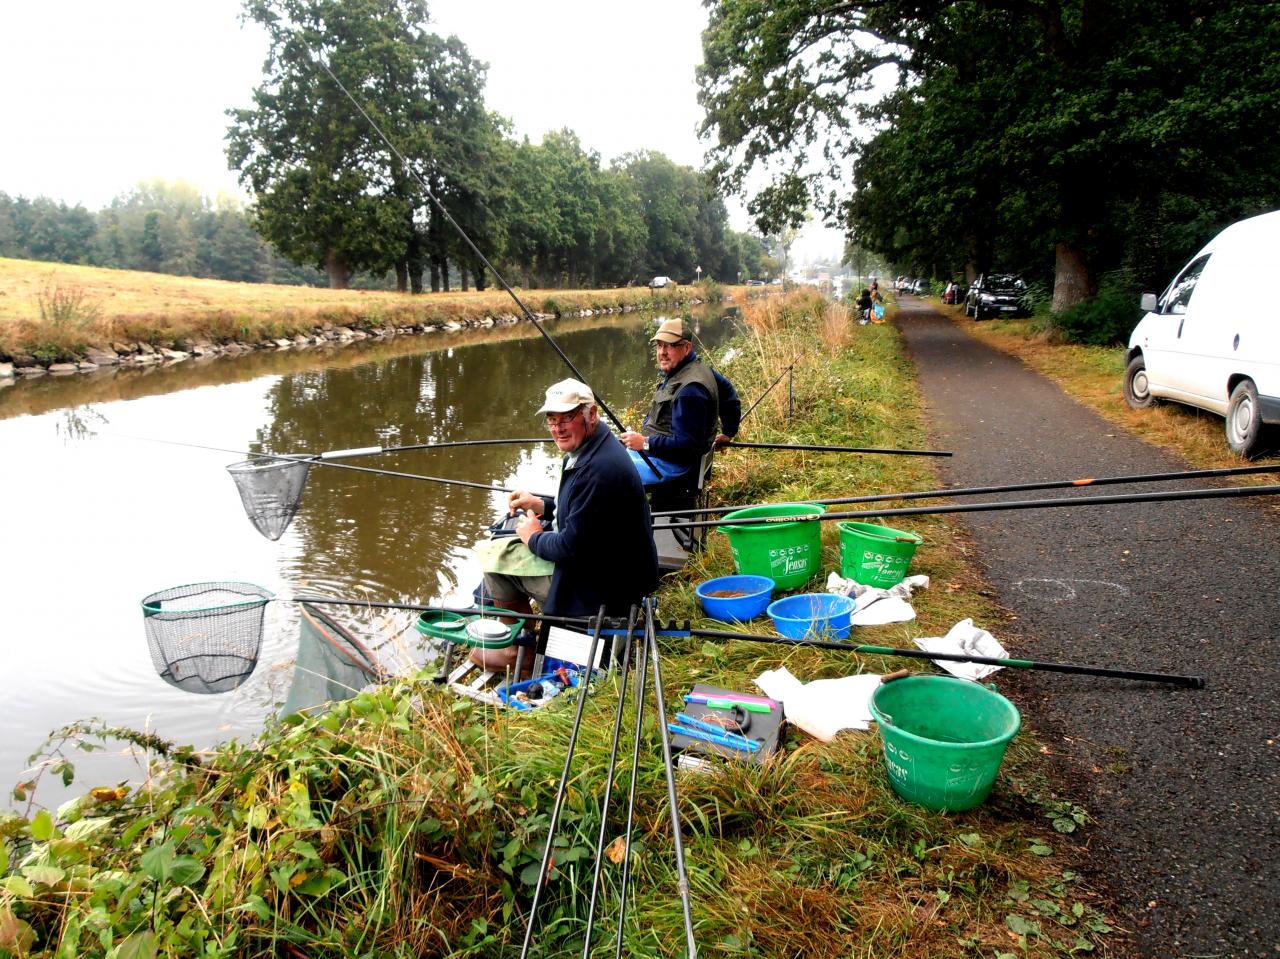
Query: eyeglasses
[[557, 420], [668, 347]]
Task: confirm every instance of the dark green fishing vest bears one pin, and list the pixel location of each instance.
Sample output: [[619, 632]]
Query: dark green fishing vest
[[661, 411]]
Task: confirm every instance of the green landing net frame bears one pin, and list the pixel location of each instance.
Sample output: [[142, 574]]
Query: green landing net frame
[[271, 491], [205, 637]]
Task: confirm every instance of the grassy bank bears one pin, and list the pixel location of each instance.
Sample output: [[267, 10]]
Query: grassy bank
[[58, 310], [1094, 375], [404, 822]]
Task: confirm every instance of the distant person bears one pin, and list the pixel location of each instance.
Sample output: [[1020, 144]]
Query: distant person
[[681, 425], [864, 306], [596, 531]]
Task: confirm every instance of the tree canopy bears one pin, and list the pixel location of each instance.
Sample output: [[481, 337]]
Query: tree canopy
[[1063, 137]]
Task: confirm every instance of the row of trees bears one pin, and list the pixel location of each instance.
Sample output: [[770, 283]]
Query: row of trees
[[1065, 138], [367, 128]]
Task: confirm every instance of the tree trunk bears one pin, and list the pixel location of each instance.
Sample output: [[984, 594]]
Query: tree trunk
[[435, 275], [402, 276], [335, 264], [482, 280], [464, 277], [415, 262], [444, 273], [1072, 278]]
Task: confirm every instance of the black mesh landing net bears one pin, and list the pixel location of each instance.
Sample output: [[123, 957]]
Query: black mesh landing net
[[271, 491], [205, 637]]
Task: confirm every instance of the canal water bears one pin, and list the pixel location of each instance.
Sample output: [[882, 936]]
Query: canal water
[[116, 487]]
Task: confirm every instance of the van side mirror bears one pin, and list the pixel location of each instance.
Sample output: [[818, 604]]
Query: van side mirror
[[1148, 303]]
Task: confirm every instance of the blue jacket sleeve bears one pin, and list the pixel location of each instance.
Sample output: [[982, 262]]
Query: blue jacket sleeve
[[730, 405], [690, 423], [583, 527]]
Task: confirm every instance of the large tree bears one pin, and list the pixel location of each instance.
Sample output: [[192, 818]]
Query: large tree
[[328, 190], [1058, 128]]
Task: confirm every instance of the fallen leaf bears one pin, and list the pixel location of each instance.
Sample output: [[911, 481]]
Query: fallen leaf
[[617, 850]]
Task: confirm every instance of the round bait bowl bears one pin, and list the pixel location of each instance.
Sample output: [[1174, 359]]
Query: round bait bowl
[[944, 739], [799, 616], [789, 553], [753, 594]]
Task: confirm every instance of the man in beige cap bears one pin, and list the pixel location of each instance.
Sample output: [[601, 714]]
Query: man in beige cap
[[596, 531], [681, 424]]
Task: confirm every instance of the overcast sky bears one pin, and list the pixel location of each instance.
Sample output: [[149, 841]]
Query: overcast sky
[[100, 95]]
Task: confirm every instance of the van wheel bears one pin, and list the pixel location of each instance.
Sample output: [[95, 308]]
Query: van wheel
[[1244, 420], [1137, 392]]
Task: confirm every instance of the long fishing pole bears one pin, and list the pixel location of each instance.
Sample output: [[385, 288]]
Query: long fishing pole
[[769, 389], [543, 870], [1060, 502], [1010, 488], [641, 684], [1188, 682], [834, 449], [430, 195], [608, 783], [682, 876]]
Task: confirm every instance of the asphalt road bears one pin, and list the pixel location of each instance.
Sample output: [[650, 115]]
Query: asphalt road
[[1184, 785]]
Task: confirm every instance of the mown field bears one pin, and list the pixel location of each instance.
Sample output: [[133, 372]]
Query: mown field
[[405, 822]]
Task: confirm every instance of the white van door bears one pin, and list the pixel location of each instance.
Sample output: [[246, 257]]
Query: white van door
[[1169, 362]]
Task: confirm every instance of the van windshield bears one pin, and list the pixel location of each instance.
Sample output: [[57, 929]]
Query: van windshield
[[1178, 295]]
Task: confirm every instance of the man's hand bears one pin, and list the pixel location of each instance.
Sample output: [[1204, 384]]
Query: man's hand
[[529, 525], [723, 440], [632, 441], [520, 500]]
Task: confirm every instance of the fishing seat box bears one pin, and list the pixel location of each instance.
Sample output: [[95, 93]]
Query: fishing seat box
[[767, 728]]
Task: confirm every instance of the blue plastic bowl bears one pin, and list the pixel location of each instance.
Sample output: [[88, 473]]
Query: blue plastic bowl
[[735, 609], [799, 616]]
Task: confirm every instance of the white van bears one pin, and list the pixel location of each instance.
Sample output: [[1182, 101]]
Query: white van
[[1212, 339]]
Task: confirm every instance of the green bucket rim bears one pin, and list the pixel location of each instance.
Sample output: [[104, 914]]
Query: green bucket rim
[[771, 509], [873, 530], [955, 682]]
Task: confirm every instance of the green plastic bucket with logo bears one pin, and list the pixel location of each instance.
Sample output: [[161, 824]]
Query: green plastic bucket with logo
[[790, 554], [875, 555], [944, 739]]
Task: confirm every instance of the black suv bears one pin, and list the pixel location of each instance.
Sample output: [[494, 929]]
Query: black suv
[[996, 294]]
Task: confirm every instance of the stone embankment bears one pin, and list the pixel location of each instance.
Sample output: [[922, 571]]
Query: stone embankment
[[135, 353]]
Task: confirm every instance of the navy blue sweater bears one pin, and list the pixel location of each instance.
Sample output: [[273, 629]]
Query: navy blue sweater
[[603, 548]]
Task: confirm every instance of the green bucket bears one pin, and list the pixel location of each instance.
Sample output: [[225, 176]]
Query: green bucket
[[944, 739], [788, 553], [875, 555]]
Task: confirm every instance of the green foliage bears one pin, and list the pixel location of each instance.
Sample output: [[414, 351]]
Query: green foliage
[[1108, 317]]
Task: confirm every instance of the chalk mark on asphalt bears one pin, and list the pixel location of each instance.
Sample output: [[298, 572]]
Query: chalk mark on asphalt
[[1064, 590]]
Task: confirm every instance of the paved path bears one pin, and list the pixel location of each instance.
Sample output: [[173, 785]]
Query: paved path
[[1184, 784]]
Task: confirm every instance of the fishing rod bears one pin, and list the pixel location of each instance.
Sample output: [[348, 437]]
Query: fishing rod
[[430, 195], [1188, 682], [543, 870], [833, 449], [1065, 501], [682, 876], [608, 783], [769, 389], [1010, 488]]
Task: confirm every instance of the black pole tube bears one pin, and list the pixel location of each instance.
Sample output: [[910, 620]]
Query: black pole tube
[[767, 390], [1189, 682], [528, 314], [1066, 501], [641, 683], [608, 783], [1010, 488], [835, 449], [543, 879], [682, 876]]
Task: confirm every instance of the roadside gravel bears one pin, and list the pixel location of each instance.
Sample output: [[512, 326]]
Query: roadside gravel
[[1184, 785]]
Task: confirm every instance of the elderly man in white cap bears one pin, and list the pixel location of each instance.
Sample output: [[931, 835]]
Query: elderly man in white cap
[[595, 531], [680, 427]]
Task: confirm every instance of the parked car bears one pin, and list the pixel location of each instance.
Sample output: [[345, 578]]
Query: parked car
[[953, 295], [920, 287], [996, 294], [755, 282], [658, 282], [1211, 340]]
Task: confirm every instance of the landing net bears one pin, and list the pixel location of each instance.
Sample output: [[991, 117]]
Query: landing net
[[271, 491], [205, 637]]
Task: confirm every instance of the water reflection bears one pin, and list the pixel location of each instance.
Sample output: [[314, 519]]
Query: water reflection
[[99, 520]]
